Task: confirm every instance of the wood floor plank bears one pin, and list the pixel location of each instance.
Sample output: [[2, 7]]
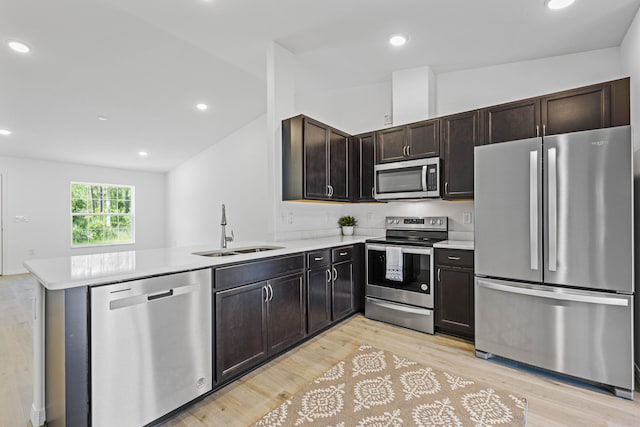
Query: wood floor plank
[[552, 400]]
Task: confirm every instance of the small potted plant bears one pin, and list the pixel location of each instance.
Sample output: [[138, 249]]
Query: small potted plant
[[347, 223]]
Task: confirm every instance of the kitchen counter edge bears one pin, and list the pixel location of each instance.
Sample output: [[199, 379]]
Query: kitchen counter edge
[[113, 267], [466, 245]]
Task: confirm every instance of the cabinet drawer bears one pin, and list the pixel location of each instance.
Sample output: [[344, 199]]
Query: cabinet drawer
[[342, 254], [318, 258], [454, 257], [251, 272]]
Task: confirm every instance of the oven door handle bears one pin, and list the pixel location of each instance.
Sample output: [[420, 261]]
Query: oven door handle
[[405, 249], [400, 307]]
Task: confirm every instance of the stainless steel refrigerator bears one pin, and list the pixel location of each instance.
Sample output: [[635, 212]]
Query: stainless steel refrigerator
[[554, 254]]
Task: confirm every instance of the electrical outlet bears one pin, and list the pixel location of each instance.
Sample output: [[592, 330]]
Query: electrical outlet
[[388, 120], [467, 217], [290, 217]]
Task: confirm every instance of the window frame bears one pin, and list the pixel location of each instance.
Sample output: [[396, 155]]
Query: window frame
[[131, 215]]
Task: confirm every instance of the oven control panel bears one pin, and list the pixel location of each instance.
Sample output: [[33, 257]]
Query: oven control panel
[[438, 223]]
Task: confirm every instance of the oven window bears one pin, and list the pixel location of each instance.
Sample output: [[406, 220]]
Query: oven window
[[399, 180], [416, 271]]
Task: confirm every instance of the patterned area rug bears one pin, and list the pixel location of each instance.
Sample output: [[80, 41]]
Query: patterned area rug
[[372, 387]]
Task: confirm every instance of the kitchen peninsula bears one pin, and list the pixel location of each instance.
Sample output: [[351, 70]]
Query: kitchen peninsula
[[101, 320]]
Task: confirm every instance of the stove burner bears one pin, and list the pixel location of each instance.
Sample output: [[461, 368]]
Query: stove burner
[[414, 231]]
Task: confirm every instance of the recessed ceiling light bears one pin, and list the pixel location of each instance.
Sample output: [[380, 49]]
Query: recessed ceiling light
[[558, 4], [5, 132], [18, 46], [397, 40], [143, 153], [103, 118], [202, 106]]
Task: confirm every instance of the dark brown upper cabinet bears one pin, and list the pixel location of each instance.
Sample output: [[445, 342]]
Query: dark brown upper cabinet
[[315, 161], [412, 141], [578, 109], [459, 134], [362, 170], [590, 107], [512, 121]]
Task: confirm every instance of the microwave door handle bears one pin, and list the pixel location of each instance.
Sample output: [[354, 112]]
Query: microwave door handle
[[424, 178]]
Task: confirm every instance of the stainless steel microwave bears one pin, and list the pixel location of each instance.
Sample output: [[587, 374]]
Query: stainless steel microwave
[[411, 179]]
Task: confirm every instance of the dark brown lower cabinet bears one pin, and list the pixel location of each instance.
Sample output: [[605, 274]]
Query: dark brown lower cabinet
[[241, 329], [285, 312], [255, 321], [454, 307], [342, 292], [331, 287], [318, 299]]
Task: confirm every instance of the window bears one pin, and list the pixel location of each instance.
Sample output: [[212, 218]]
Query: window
[[102, 214]]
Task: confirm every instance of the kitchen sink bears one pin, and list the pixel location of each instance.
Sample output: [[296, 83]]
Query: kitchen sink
[[239, 251], [216, 253], [257, 249]]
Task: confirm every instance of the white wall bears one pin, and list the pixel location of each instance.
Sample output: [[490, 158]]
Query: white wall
[[354, 110], [460, 91], [233, 171], [414, 97], [40, 191]]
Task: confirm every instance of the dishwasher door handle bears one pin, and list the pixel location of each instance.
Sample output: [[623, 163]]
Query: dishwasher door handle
[[169, 293], [145, 298]]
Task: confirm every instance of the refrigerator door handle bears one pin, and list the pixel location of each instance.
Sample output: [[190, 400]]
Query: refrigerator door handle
[[533, 209], [558, 296], [553, 209]]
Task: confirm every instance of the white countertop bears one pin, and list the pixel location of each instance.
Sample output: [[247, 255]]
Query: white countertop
[[110, 267], [455, 244]]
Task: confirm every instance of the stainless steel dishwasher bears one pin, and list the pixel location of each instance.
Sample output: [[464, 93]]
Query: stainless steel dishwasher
[[150, 347]]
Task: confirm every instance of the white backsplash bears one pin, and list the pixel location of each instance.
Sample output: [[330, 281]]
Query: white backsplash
[[301, 220]]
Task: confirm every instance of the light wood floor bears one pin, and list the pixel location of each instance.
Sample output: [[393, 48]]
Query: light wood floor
[[552, 401]]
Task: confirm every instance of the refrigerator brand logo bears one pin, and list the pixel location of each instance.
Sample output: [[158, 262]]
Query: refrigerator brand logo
[[599, 143]]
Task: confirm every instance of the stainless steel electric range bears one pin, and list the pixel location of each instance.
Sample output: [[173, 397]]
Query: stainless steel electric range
[[400, 273]]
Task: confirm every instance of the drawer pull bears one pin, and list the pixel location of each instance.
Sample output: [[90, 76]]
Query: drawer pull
[[454, 258], [318, 258], [343, 253]]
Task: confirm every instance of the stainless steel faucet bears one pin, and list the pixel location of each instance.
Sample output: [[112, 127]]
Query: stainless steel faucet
[[223, 237]]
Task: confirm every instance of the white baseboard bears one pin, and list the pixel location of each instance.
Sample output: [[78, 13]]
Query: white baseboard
[[37, 416]]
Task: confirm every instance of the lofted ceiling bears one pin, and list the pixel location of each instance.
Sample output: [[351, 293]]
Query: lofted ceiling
[[144, 64]]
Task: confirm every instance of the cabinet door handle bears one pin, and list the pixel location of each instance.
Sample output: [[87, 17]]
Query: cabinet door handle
[[318, 258], [373, 192], [408, 150], [271, 289], [335, 274], [537, 130], [446, 187], [343, 253], [328, 276], [404, 151], [330, 190], [266, 294], [455, 258], [544, 130], [438, 275]]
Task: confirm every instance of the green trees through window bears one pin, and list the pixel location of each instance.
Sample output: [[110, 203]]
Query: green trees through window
[[101, 214]]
